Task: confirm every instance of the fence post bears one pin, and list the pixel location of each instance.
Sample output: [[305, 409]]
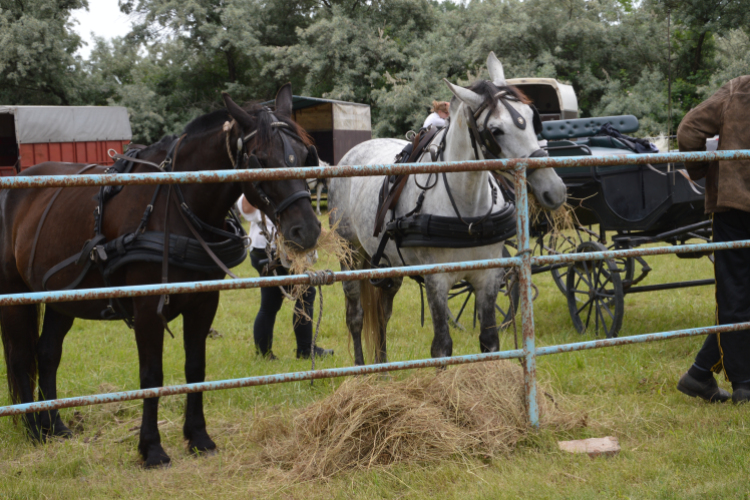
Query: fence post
[[524, 282]]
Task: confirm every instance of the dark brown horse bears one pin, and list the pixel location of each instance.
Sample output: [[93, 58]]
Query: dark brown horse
[[40, 228]]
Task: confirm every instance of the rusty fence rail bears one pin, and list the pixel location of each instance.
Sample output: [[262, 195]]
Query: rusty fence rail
[[523, 261]]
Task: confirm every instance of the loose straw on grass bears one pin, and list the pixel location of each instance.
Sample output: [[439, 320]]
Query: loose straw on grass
[[474, 410]]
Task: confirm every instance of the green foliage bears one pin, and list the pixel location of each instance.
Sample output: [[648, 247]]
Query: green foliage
[[391, 54], [37, 65]]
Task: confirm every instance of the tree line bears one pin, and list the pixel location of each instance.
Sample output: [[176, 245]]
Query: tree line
[[391, 54]]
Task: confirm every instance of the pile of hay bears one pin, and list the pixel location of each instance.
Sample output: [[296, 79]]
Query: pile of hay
[[474, 410]]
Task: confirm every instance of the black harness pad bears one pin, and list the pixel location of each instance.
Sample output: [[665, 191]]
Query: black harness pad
[[425, 230]]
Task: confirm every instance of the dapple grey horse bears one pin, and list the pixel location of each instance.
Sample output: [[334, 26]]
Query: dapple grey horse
[[353, 203]]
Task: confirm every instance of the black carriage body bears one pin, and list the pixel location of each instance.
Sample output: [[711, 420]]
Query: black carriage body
[[646, 199], [629, 198]]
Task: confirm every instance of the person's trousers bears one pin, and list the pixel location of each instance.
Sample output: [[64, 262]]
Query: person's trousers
[[271, 300], [730, 351]]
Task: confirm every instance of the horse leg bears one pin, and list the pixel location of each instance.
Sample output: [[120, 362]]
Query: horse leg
[[149, 335], [386, 300], [486, 297], [437, 287], [354, 317], [20, 332], [49, 353], [197, 323]]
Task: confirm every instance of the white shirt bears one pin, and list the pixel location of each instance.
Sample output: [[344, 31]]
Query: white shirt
[[434, 119], [255, 220]]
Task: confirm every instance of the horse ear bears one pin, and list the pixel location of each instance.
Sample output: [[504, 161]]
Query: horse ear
[[468, 97], [284, 101], [495, 69], [235, 111]]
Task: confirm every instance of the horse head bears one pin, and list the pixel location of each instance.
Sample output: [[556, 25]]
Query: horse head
[[271, 139], [503, 124]]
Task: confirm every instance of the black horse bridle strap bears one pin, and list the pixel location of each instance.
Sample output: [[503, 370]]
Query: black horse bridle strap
[[203, 243]]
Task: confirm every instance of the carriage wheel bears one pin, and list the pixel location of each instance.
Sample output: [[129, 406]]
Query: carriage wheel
[[507, 302], [558, 243], [595, 294], [555, 243]]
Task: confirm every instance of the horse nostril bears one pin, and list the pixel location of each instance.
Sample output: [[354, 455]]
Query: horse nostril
[[296, 233], [548, 199]]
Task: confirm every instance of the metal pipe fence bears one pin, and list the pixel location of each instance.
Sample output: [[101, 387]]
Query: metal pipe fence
[[523, 261]]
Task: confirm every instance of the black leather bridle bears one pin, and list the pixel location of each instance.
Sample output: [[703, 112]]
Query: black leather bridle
[[251, 161], [484, 139]]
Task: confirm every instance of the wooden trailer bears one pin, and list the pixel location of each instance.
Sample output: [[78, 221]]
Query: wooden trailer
[[336, 126], [79, 134]]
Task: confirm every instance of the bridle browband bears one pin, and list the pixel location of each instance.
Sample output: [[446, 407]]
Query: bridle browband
[[485, 140], [245, 160]]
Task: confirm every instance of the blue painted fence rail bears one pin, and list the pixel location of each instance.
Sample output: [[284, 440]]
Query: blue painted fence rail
[[523, 261]]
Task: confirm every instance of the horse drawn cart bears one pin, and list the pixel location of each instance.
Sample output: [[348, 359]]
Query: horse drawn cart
[[80, 134], [615, 207]]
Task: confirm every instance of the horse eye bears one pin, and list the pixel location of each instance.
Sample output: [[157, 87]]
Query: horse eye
[[496, 131]]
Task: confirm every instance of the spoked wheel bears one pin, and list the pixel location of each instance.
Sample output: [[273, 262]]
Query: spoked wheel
[[506, 305], [595, 294], [555, 243], [507, 301]]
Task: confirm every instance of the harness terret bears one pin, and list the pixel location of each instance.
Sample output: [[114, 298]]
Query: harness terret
[[415, 229]]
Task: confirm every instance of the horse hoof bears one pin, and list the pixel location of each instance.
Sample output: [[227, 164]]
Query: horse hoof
[[204, 453], [203, 447], [158, 462], [156, 458]]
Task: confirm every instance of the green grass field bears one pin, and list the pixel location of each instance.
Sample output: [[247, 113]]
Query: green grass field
[[672, 446]]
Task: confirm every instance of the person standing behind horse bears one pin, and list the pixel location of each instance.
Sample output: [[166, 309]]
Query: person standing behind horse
[[728, 201], [271, 298], [438, 115]]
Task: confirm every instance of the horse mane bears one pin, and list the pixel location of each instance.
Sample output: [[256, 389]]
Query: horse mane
[[163, 145], [215, 120], [488, 90]]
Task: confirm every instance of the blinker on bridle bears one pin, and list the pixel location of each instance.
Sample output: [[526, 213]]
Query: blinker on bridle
[[251, 161], [486, 139]]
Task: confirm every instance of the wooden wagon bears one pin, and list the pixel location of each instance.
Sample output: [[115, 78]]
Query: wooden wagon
[[80, 134], [336, 126]]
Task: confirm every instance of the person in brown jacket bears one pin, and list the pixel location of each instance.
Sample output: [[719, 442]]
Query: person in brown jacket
[[726, 113]]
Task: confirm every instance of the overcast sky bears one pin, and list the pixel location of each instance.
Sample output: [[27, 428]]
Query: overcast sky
[[104, 19]]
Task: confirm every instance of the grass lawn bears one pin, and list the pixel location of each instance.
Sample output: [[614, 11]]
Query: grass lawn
[[673, 446]]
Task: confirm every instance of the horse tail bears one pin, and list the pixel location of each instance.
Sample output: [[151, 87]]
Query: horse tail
[[19, 329], [373, 319]]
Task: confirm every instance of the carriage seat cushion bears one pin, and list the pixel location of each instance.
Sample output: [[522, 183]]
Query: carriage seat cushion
[[586, 127]]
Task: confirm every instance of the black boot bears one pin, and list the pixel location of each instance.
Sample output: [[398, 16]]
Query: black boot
[[740, 392], [319, 353], [708, 389], [269, 355]]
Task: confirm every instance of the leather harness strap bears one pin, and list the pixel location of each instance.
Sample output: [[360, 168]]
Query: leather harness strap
[[44, 217], [391, 200]]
